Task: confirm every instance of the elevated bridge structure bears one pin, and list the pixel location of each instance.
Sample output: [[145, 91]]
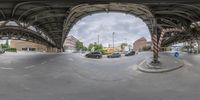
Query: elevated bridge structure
[[49, 21]]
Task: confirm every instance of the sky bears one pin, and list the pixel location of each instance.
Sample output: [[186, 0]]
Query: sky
[[127, 28]]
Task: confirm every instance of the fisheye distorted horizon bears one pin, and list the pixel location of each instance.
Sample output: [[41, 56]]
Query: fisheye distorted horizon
[[127, 28]]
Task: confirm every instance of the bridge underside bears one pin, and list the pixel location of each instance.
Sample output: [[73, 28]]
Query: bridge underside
[[171, 21]]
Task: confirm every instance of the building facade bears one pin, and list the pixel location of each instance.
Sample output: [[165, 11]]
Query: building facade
[[27, 46], [139, 44], [70, 43]]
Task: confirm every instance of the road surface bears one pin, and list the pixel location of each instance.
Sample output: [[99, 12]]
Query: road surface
[[73, 77]]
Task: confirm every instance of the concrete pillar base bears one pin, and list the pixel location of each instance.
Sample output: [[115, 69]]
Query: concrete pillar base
[[155, 62], [166, 64]]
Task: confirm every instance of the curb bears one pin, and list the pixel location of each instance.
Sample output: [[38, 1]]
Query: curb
[[146, 70]]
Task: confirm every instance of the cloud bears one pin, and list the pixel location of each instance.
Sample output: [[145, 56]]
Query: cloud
[[126, 27]]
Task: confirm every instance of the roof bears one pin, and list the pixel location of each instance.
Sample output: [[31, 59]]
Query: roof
[[140, 39]]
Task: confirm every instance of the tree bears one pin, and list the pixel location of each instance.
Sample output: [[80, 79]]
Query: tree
[[90, 46], [79, 45], [6, 45], [85, 48], [123, 45], [97, 47]]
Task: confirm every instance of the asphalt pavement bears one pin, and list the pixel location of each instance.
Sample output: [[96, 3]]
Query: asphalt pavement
[[69, 76]]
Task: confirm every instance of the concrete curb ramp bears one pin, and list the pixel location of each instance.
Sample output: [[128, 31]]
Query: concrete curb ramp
[[169, 64]]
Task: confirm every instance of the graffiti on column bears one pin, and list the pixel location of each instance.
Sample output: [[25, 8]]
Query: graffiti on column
[[160, 40], [155, 44]]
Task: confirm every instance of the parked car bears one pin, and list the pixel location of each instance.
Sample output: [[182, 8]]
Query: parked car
[[2, 51], [130, 53], [114, 55], [125, 52], [97, 55]]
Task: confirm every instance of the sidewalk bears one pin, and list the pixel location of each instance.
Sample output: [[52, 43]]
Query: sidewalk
[[168, 63]]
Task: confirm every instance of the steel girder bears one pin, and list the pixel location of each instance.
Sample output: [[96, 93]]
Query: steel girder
[[18, 33], [56, 18]]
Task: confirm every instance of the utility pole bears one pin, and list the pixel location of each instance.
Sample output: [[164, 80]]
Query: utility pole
[[126, 40], [98, 39], [198, 43], [113, 41]]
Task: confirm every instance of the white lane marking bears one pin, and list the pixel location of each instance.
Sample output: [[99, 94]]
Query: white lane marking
[[70, 59], [85, 61], [176, 61], [44, 62], [187, 63], [6, 68], [134, 70], [141, 62], [51, 59], [28, 67]]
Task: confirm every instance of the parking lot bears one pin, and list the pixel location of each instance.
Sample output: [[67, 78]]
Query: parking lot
[[71, 76]]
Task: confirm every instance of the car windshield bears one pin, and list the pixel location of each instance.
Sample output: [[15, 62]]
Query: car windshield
[[96, 52], [128, 52]]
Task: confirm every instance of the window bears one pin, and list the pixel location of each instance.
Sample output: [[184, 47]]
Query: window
[[24, 49]]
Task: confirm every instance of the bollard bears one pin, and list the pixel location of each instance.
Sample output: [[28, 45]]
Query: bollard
[[176, 54]]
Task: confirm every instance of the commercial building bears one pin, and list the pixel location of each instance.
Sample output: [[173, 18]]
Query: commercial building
[[27, 46], [139, 44], [118, 47], [70, 43]]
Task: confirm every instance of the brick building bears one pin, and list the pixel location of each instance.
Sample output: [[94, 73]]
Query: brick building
[[139, 44], [70, 43], [27, 46]]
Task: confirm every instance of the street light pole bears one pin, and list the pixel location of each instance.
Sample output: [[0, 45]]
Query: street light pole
[[125, 40], [98, 39], [113, 41]]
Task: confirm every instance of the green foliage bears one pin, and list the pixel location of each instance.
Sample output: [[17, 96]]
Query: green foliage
[[80, 46], [11, 50], [97, 47], [7, 48], [6, 45], [123, 45], [90, 46], [84, 48]]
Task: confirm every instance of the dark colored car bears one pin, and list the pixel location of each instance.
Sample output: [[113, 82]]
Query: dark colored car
[[114, 55], [130, 53], [94, 55]]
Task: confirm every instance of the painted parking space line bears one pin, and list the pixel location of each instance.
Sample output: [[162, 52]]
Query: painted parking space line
[[141, 62], [187, 63], [44, 62], [70, 59], [51, 60], [7, 68], [28, 67]]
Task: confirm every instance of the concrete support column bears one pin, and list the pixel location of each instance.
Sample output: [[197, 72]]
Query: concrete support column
[[191, 49], [49, 49], [198, 46], [155, 44], [58, 50], [155, 49]]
